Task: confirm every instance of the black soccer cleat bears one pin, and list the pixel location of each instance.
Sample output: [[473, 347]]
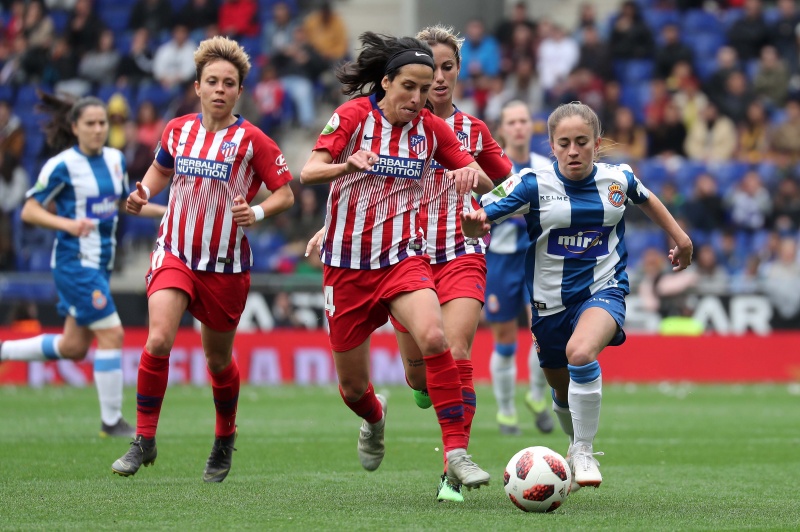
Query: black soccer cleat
[[121, 429], [219, 461], [142, 452]]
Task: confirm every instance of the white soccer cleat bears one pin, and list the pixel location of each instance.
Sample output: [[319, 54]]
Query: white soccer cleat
[[585, 471], [462, 470], [370, 440]]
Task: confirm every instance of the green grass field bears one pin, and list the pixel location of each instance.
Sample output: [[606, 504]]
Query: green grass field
[[677, 458]]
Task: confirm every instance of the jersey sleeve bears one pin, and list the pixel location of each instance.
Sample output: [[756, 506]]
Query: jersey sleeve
[[165, 152], [449, 153], [637, 193], [52, 179], [337, 132], [512, 196], [270, 163], [126, 182], [492, 158]]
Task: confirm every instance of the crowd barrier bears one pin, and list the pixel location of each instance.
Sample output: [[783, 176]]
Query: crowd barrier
[[285, 356]]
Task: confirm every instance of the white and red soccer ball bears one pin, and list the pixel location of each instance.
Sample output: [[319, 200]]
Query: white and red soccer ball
[[537, 479]]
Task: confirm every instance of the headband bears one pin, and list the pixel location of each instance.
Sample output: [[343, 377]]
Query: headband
[[409, 56]]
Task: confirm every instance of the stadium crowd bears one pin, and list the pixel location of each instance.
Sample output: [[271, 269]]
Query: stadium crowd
[[702, 97]]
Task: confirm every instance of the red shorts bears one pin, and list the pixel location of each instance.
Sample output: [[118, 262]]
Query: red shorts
[[464, 276], [357, 301], [216, 299]]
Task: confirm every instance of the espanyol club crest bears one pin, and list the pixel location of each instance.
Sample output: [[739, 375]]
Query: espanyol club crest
[[464, 138], [419, 144], [228, 150], [615, 195]]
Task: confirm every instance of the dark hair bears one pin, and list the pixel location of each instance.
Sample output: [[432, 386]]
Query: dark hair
[[368, 70], [63, 113]]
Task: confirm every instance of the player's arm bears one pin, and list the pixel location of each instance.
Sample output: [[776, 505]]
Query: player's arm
[[320, 168], [35, 213], [316, 241], [154, 181], [681, 255], [244, 215]]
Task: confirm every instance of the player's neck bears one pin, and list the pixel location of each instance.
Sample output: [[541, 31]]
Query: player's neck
[[213, 125], [518, 155], [444, 110]]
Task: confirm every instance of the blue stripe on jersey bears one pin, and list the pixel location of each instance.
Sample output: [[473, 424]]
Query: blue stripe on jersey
[[587, 212], [533, 220]]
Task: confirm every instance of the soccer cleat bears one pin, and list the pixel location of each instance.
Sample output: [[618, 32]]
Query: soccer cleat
[[447, 492], [218, 464], [422, 398], [574, 486], [370, 440], [121, 429], [142, 452], [462, 470], [541, 416], [508, 425], [584, 465]]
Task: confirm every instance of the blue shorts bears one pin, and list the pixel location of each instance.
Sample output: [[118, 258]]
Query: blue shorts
[[84, 294], [507, 292], [552, 333]]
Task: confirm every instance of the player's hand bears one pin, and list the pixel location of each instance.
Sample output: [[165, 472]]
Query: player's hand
[[81, 228], [474, 224], [136, 200], [681, 257], [360, 161], [466, 179], [243, 214], [315, 242]]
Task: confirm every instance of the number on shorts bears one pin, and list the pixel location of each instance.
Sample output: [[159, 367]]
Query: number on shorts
[[330, 308]]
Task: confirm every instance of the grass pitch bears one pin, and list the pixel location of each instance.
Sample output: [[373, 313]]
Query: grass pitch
[[677, 458]]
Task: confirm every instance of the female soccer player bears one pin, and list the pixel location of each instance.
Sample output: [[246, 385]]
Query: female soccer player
[[202, 260], [86, 182], [575, 266], [506, 292], [374, 151]]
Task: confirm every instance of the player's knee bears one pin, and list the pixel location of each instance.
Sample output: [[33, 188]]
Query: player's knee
[[73, 350], [580, 355], [158, 343], [432, 341], [460, 352], [352, 389]]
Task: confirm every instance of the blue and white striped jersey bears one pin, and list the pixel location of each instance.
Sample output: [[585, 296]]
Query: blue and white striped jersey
[[576, 227], [84, 187], [510, 236]]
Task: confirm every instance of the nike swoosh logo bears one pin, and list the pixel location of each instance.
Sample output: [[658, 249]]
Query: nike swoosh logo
[[181, 144], [419, 54], [372, 137]]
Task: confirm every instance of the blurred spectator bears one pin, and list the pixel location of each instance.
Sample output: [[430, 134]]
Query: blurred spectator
[[100, 64], [627, 140], [279, 30], [712, 138], [24, 319], [730, 255], [84, 27], [137, 156], [750, 32], [508, 27], [136, 67], [12, 135], [149, 125], [785, 138], [754, 134], [786, 206], [521, 84], [691, 103], [782, 284], [711, 276], [186, 103], [671, 51], [118, 115], [783, 33], [480, 54], [630, 37], [737, 97], [672, 199], [581, 85], [612, 92], [595, 54], [197, 16], [153, 15], [327, 33], [247, 108], [13, 185], [283, 312], [749, 204], [727, 62], [771, 82], [749, 279], [269, 95], [660, 289], [556, 56], [520, 46], [704, 210], [61, 71], [667, 138], [660, 98], [173, 64], [652, 266], [307, 217], [299, 67], [14, 21], [38, 27], [587, 19], [238, 18]]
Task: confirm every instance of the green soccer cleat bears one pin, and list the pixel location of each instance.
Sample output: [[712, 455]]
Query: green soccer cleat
[[422, 398], [143, 452], [447, 492], [540, 414], [218, 464], [508, 425], [121, 429]]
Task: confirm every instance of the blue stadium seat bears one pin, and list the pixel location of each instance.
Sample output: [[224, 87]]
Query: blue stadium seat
[[637, 240], [115, 16], [652, 173], [704, 45], [686, 175], [658, 18], [27, 96], [60, 20], [155, 93], [705, 66], [700, 21], [633, 70], [728, 174], [730, 15], [7, 93]]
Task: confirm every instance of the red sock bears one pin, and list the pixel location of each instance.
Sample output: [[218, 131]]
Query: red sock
[[444, 389], [150, 389], [467, 393], [368, 407], [225, 387]]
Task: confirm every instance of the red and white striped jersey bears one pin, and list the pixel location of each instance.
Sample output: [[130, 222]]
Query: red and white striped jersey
[[441, 206], [211, 169], [372, 218]]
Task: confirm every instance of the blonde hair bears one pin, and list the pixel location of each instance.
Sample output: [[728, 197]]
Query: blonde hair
[[441, 34], [222, 48], [566, 110]]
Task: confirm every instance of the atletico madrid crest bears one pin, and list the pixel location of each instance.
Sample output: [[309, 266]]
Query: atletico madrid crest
[[419, 144], [228, 149]]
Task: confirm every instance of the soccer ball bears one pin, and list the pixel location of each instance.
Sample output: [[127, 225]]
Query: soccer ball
[[537, 479]]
